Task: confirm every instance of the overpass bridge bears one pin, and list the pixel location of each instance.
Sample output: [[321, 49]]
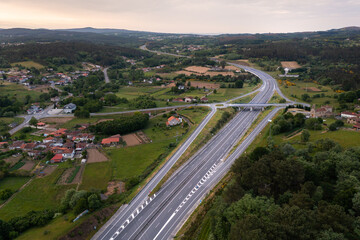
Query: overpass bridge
[[261, 106]]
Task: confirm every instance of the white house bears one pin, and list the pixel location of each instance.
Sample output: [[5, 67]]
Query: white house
[[69, 108], [69, 153], [348, 115], [172, 121]]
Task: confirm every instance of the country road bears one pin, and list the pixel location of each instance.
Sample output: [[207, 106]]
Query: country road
[[107, 80]]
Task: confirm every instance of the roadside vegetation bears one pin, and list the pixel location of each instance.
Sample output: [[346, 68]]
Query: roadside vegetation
[[253, 200]]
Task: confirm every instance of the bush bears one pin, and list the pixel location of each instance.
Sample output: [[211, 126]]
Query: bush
[[81, 113], [5, 194]]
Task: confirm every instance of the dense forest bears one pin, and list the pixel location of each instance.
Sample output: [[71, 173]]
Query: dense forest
[[329, 62], [278, 192], [58, 53]]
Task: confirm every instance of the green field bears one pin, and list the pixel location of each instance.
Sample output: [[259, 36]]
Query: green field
[[133, 92], [29, 64], [302, 88], [96, 176], [13, 183], [195, 114], [7, 120], [54, 230], [345, 137], [40, 194], [132, 161], [28, 136], [17, 90]]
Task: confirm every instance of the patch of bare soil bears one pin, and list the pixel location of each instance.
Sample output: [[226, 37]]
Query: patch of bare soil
[[65, 176], [211, 74], [290, 64], [143, 136], [115, 187], [197, 69], [232, 68], [131, 139], [312, 89], [104, 120], [95, 156], [42, 88], [27, 166], [204, 84], [187, 73], [48, 170]]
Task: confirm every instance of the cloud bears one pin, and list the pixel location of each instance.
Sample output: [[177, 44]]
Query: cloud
[[195, 16]]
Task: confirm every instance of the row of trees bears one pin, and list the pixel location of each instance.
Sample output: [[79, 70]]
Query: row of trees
[[122, 125]]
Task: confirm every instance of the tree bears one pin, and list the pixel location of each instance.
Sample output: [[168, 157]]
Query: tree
[[110, 99], [27, 99], [239, 84], [333, 127], [80, 206], [312, 124], [223, 64], [305, 97], [82, 113], [305, 135], [5, 194], [215, 91], [33, 122], [94, 202]]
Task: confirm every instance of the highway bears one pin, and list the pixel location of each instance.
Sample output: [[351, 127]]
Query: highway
[[160, 216]]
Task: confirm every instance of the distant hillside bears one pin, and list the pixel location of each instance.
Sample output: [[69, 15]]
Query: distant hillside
[[59, 53], [45, 35]]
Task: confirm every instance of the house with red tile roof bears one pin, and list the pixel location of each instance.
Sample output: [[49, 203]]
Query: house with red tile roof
[[59, 133], [57, 158], [111, 141], [172, 121], [40, 124], [16, 145], [48, 140], [3, 144]]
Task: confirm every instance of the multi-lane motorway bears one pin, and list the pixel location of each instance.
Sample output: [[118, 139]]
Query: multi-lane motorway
[[159, 216]]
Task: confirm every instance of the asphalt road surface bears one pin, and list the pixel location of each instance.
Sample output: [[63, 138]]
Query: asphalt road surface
[[107, 80], [160, 216]]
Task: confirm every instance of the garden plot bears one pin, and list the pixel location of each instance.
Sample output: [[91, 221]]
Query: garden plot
[[95, 156]]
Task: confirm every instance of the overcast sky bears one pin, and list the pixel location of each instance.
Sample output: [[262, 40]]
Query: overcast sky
[[183, 16]]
